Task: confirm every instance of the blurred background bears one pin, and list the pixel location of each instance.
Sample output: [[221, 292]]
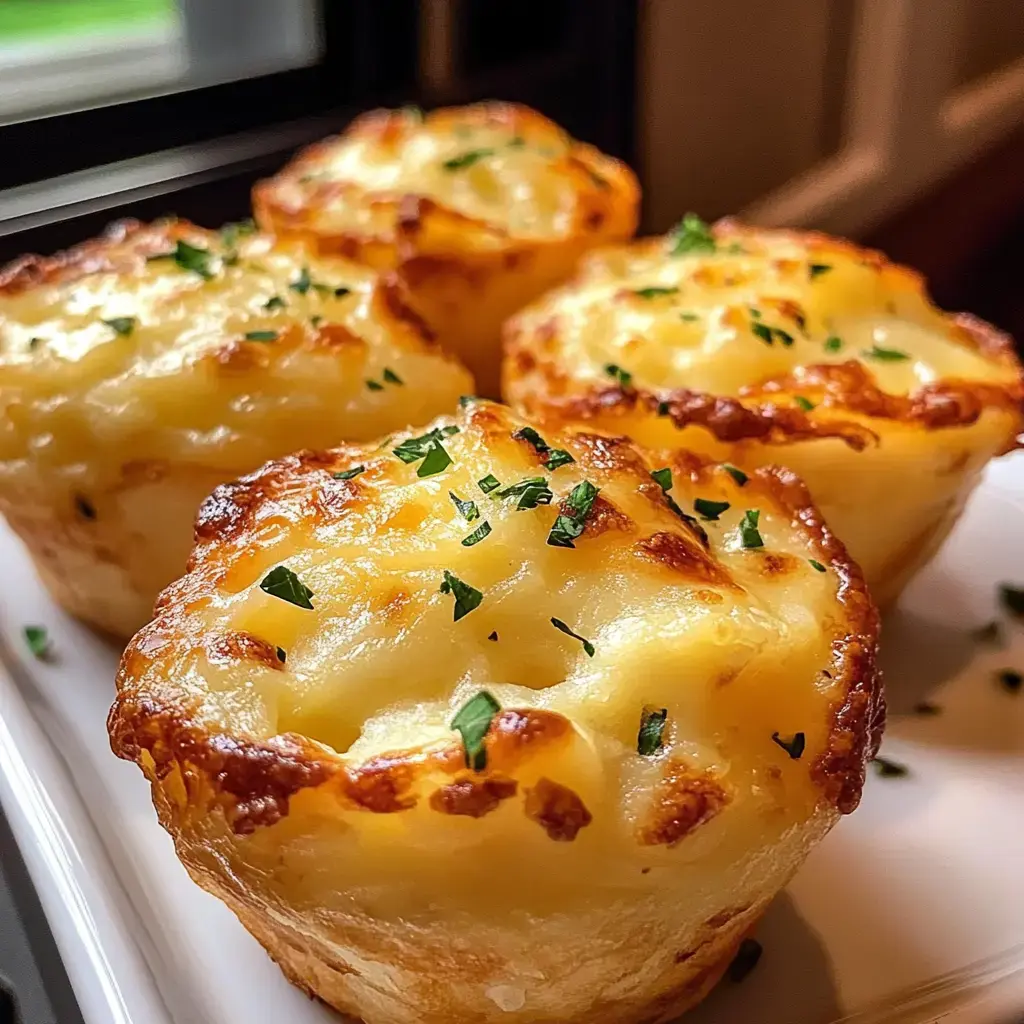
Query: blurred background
[[898, 122]]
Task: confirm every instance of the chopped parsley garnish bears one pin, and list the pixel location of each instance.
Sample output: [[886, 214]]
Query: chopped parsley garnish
[[38, 641], [1010, 680], [467, 509], [121, 325], [34, 343], [572, 520], [275, 302], [477, 535], [466, 597], [737, 474], [927, 708], [282, 655], [691, 234], [689, 317], [664, 408], [303, 282], [465, 400], [622, 377], [885, 355], [391, 377], [654, 292], [1012, 598], [833, 344], [467, 159], [531, 492], [587, 645], [282, 583], [794, 746], [472, 721], [374, 385], [349, 473], [261, 335], [493, 635], [769, 334], [708, 509], [231, 233], [804, 403], [84, 507], [488, 483], [745, 960], [191, 257], [554, 457], [652, 725], [817, 269], [815, 564], [749, 533], [663, 478], [427, 447], [889, 769], [341, 291], [316, 320]]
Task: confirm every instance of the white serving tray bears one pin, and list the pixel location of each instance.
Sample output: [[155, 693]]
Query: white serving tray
[[912, 911]]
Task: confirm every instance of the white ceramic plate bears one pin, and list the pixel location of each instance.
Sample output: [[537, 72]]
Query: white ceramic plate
[[912, 911]]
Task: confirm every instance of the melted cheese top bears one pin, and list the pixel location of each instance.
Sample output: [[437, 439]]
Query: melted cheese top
[[126, 353], [732, 640], [508, 168], [759, 307]]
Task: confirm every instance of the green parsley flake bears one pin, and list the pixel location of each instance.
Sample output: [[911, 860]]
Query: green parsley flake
[[794, 746], [472, 721], [34, 343], [37, 639], [191, 257], [652, 726], [571, 522], [348, 474], [885, 355], [231, 233], [427, 447], [488, 483], [391, 377], [816, 565], [477, 535], [302, 283], [274, 302], [833, 344], [466, 597], [769, 334], [554, 457], [622, 377], [466, 400], [282, 583], [121, 325], [374, 385], [691, 235], [282, 655], [709, 509], [467, 159], [467, 509], [737, 474], [531, 492], [261, 335], [341, 291], [654, 292], [663, 478], [749, 534], [689, 317], [587, 645], [817, 269], [889, 769], [804, 403]]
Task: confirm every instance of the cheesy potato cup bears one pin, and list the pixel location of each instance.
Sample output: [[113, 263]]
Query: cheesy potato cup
[[492, 725], [761, 346], [143, 368], [479, 209]]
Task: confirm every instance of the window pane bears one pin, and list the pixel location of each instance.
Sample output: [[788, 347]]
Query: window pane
[[62, 55]]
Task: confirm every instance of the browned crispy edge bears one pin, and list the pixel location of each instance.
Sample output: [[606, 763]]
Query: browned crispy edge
[[846, 387], [255, 779], [389, 127]]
